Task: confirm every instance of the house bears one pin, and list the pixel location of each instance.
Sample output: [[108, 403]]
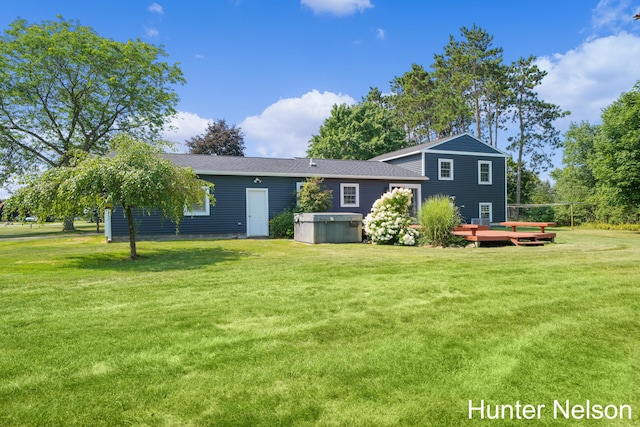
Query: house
[[471, 172], [249, 191]]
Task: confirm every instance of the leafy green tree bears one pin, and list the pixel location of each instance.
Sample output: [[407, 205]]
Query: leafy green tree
[[452, 114], [496, 103], [358, 132], [314, 197], [469, 66], [136, 177], [529, 180], [533, 191], [219, 139], [376, 97], [414, 104], [575, 182], [536, 136], [64, 89], [467, 85], [616, 163]]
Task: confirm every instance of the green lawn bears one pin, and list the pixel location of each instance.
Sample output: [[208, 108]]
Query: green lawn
[[29, 229], [277, 333]]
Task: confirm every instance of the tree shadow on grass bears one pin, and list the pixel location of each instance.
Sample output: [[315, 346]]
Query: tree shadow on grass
[[156, 260]]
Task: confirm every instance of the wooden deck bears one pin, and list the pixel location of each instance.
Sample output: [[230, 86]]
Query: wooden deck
[[481, 233]]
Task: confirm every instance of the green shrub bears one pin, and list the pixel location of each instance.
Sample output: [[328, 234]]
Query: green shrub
[[438, 217], [582, 214], [313, 197], [281, 226]]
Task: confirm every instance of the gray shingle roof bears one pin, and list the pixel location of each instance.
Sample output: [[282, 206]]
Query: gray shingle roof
[[414, 149], [297, 167]]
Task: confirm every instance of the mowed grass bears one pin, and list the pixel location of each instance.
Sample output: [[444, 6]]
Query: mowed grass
[[29, 229], [278, 333]]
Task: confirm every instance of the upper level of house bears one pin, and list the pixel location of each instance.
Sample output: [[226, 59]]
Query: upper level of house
[[419, 158], [471, 172]]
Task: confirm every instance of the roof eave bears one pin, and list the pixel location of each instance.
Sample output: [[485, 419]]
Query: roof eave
[[310, 174]]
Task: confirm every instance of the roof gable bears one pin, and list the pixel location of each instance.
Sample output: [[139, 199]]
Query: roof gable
[[462, 144]]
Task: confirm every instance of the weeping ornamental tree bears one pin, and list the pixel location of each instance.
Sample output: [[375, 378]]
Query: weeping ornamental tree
[[135, 178], [64, 89]]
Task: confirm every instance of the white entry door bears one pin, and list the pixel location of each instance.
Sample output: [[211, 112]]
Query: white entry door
[[257, 212]]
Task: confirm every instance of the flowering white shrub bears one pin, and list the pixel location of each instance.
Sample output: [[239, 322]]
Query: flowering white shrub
[[389, 222]]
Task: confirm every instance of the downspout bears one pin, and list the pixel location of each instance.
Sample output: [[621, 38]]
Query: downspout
[[107, 224], [506, 200]]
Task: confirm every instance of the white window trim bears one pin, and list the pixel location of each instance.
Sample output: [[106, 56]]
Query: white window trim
[[405, 185], [440, 162], [490, 205], [200, 212], [349, 205], [485, 162]]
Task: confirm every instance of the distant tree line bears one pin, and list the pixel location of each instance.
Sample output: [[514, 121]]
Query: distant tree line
[[602, 164]]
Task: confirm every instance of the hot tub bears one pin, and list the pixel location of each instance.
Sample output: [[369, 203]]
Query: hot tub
[[327, 227]]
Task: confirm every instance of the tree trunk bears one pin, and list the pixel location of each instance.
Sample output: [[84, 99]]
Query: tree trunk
[[497, 117], [520, 153], [477, 112], [519, 176], [96, 216], [132, 234], [67, 224]]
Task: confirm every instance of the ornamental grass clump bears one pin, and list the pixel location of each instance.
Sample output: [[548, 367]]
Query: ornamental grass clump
[[389, 222], [438, 217]]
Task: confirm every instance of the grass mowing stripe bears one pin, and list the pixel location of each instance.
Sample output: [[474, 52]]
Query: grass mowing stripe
[[280, 333]]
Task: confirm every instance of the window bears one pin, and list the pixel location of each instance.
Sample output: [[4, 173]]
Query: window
[[445, 169], [484, 172], [199, 209], [486, 211], [416, 196], [349, 195]]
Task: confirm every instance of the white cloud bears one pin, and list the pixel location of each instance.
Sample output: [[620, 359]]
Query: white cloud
[[284, 128], [152, 32], [589, 78], [380, 34], [198, 56], [611, 14], [155, 8], [337, 7], [184, 126]]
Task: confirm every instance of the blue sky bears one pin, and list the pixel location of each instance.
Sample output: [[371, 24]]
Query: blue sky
[[275, 68]]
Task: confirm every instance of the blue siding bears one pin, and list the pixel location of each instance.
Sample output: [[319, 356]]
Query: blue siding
[[466, 143], [370, 191], [465, 187], [412, 163], [228, 215]]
